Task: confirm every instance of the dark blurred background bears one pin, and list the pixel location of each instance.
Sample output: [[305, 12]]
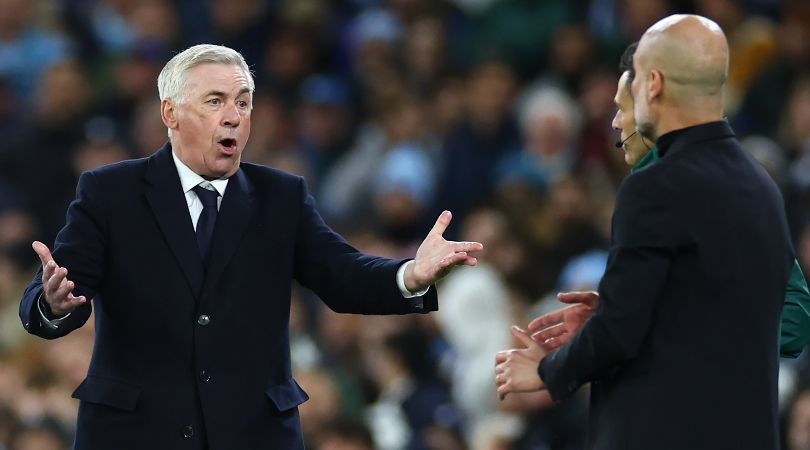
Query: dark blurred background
[[393, 110]]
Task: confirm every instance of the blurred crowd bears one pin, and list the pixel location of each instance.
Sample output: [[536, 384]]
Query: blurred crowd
[[393, 110]]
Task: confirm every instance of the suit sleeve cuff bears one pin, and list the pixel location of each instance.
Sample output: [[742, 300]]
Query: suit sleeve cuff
[[50, 323], [546, 372], [414, 297]]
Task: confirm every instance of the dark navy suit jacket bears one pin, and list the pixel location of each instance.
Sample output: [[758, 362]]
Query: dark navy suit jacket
[[682, 351], [164, 377]]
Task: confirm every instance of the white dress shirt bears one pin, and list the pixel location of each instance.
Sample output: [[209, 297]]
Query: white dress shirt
[[188, 180]]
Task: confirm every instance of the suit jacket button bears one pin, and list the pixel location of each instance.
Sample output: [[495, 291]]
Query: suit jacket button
[[188, 431], [203, 320], [205, 376]]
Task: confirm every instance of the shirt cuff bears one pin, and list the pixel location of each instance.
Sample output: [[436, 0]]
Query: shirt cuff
[[50, 323], [401, 283]]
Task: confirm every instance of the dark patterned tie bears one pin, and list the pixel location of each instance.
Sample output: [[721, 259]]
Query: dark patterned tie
[[207, 220]]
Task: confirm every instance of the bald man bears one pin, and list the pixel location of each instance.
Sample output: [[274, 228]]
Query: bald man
[[682, 349]]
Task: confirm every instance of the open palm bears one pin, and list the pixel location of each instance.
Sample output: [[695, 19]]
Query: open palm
[[437, 256]]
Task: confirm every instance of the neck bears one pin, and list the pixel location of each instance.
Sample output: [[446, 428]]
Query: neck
[[677, 118]]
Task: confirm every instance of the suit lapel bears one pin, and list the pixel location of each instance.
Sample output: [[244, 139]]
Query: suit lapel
[[235, 214], [167, 200]]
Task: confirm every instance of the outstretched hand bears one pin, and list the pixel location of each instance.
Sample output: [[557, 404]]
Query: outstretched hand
[[516, 369], [436, 256], [57, 288], [554, 329]]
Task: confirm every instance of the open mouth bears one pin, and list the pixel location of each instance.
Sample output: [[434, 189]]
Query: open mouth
[[228, 145]]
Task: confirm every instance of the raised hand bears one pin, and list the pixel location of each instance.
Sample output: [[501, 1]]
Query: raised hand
[[516, 369], [56, 286], [554, 329], [437, 256]]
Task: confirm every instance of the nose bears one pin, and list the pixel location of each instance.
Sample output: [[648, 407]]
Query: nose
[[230, 116], [616, 123]]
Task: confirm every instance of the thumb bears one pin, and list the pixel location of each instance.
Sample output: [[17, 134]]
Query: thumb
[[523, 336], [441, 223], [42, 251]]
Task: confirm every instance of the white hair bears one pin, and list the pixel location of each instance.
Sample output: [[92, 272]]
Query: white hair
[[549, 100], [172, 79]]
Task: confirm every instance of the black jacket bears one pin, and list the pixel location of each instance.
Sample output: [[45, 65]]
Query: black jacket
[[682, 350], [186, 355]]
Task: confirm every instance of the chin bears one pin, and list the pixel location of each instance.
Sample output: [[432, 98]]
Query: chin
[[629, 159], [222, 172]]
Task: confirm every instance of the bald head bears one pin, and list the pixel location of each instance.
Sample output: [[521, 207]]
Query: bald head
[[690, 51], [681, 67]]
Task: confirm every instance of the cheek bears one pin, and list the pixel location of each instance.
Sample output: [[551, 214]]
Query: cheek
[[246, 127], [639, 110], [630, 120]]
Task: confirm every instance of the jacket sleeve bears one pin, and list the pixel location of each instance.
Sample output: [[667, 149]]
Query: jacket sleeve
[[795, 324], [346, 279], [638, 262], [80, 248]]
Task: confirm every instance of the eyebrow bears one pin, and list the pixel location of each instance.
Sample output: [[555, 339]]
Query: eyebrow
[[224, 94]]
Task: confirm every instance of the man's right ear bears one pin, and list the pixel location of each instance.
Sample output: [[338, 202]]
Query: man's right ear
[[655, 86], [168, 113]]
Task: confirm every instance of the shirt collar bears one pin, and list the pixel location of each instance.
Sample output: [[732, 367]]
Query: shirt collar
[[684, 137], [647, 160], [189, 179]]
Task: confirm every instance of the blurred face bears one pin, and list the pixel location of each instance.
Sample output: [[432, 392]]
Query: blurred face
[[211, 126], [490, 91], [625, 123], [63, 93]]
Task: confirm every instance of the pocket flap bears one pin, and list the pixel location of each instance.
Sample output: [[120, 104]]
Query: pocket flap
[[287, 395], [108, 392]]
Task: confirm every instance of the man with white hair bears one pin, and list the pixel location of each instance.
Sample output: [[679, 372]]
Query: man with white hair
[[188, 256], [681, 351]]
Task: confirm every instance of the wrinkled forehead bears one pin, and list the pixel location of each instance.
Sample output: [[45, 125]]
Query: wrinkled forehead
[[221, 77]]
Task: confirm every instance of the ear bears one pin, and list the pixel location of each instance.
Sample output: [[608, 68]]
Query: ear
[[656, 86], [168, 113]]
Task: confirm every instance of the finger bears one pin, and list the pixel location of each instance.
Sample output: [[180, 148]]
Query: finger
[[589, 298], [441, 223], [64, 288], [47, 270], [68, 305], [467, 246], [502, 356], [549, 332], [74, 302], [42, 251], [55, 280], [523, 337], [75, 299], [504, 389], [571, 297], [551, 344], [457, 259], [452, 260], [546, 320]]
